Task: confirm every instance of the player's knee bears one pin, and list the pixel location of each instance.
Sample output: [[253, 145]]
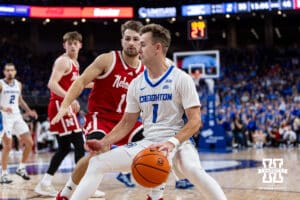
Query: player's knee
[[7, 143], [7, 146], [95, 165], [29, 143]]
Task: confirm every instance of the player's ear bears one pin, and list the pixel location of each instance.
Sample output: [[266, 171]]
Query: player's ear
[[158, 47]]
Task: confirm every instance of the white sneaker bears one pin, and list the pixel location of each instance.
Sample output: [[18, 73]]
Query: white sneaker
[[5, 179], [98, 194], [46, 190]]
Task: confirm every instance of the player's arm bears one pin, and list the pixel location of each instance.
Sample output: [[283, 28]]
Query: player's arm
[[3, 108], [121, 129], [90, 85], [97, 67], [130, 117], [60, 67], [25, 106], [116, 134], [192, 126], [191, 105]]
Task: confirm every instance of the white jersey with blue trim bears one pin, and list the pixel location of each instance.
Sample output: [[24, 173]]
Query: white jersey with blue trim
[[162, 102], [9, 96]]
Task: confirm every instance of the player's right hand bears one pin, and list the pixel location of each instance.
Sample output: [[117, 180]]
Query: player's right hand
[[7, 109], [62, 112], [75, 106]]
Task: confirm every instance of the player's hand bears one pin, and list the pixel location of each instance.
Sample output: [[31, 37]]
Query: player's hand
[[75, 106], [62, 112], [33, 113], [7, 109], [95, 146], [165, 147]]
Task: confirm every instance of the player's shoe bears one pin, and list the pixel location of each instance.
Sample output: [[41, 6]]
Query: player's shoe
[[125, 179], [5, 180], [98, 194], [183, 184], [58, 197], [149, 198], [46, 190], [22, 172]]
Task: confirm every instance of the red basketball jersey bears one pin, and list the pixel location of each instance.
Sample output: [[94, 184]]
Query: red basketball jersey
[[69, 123], [66, 81], [108, 96]]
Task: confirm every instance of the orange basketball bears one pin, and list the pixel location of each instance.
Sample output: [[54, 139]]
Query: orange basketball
[[150, 168]]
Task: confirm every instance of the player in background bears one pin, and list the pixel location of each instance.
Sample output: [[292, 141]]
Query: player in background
[[13, 123], [162, 94], [64, 72], [111, 73]]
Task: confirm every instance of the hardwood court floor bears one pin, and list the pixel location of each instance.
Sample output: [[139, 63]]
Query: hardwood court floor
[[237, 172]]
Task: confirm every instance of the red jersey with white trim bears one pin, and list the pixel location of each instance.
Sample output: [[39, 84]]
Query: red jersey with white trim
[[66, 81], [108, 96], [69, 123]]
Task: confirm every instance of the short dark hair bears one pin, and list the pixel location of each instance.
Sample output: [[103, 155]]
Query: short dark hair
[[132, 25], [73, 35], [159, 35], [9, 64]]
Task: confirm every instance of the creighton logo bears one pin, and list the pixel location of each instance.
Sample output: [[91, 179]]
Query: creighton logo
[[272, 170]]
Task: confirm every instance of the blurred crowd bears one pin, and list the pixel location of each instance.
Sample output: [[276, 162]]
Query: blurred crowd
[[258, 97]]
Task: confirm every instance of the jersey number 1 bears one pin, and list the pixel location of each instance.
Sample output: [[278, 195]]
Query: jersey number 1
[[123, 97], [155, 110]]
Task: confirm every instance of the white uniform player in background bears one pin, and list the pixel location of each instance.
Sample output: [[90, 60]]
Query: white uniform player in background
[[13, 123], [161, 95]]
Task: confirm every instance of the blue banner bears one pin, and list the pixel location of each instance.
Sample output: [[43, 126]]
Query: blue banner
[[157, 12], [212, 136], [14, 10]]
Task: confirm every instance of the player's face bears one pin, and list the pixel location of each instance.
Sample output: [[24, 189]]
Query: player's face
[[72, 47], [148, 49], [10, 72], [131, 43]]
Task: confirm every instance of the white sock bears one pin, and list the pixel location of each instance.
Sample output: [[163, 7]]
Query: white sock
[[22, 165], [157, 192], [47, 179], [68, 188], [4, 171]]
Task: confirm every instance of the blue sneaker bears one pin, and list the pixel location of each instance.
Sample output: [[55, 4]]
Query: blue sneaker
[[125, 179], [183, 184]]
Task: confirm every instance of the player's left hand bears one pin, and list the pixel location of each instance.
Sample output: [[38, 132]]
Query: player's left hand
[[165, 147], [33, 113], [95, 146]]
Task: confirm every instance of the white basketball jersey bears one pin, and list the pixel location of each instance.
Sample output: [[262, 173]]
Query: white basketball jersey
[[162, 102], [9, 96]]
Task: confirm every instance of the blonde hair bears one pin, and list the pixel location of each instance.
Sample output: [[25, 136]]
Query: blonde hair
[[70, 36]]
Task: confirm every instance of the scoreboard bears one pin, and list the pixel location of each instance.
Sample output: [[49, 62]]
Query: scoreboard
[[197, 30]]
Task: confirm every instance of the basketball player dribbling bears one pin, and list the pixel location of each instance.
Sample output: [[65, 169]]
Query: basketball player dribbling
[[111, 73], [64, 72], [163, 93], [13, 123]]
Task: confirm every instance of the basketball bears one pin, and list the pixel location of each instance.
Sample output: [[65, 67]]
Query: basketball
[[150, 168]]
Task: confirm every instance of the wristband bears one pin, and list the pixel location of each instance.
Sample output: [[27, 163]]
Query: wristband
[[174, 141]]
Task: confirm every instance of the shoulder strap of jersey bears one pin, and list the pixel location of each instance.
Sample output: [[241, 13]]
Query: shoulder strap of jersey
[[112, 67]]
